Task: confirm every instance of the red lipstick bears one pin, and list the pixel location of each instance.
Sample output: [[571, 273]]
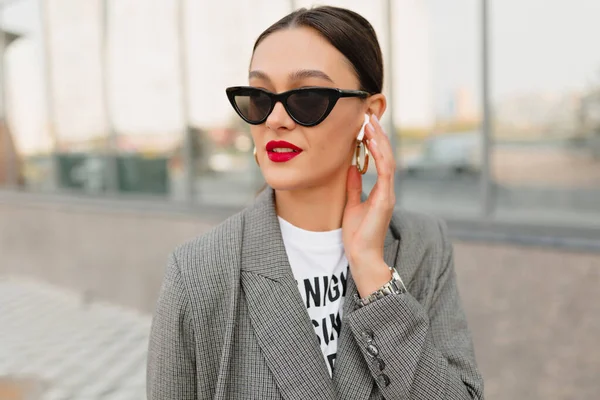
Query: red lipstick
[[282, 151]]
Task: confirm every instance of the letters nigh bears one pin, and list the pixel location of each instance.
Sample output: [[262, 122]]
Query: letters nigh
[[319, 291]]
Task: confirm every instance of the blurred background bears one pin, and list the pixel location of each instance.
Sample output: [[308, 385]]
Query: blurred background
[[117, 143]]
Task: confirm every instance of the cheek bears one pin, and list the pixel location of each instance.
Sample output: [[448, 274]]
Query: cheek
[[257, 133], [333, 143], [341, 130]]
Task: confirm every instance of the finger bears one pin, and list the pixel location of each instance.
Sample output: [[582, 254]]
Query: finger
[[384, 170], [379, 153], [383, 193], [371, 134], [353, 186], [380, 201], [383, 139], [385, 146]]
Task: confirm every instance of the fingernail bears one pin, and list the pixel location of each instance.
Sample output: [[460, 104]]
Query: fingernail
[[370, 127], [374, 117]]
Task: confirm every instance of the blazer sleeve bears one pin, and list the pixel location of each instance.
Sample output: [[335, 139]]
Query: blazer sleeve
[[426, 354], [171, 368]]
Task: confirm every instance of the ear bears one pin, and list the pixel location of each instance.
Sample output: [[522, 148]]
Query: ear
[[376, 104]]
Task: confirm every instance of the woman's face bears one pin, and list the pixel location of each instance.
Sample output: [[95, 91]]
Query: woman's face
[[295, 58]]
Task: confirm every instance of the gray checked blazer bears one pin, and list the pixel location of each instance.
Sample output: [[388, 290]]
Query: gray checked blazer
[[230, 322]]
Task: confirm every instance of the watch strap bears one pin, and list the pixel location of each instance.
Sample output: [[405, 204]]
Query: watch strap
[[394, 286]]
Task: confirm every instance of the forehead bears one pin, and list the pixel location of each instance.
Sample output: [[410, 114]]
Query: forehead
[[289, 50]]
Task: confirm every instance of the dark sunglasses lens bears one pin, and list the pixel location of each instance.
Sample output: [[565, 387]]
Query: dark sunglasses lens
[[308, 106], [254, 105]]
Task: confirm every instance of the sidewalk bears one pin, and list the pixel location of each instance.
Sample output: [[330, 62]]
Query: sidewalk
[[74, 350]]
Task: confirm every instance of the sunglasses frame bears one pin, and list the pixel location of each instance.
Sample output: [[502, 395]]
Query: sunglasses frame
[[333, 94]]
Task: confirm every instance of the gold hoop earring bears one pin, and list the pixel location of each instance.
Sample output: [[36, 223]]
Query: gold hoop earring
[[256, 156], [362, 169]]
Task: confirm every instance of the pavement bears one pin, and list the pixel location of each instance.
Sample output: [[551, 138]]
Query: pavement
[[73, 350], [535, 318]]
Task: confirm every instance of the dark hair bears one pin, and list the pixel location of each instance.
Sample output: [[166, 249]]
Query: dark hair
[[348, 32]]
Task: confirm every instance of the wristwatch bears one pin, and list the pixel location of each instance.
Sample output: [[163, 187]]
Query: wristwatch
[[394, 286]]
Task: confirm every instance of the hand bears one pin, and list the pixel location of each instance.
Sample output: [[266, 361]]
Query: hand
[[364, 225]]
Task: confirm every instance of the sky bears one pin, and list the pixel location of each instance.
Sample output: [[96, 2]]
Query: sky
[[537, 46]]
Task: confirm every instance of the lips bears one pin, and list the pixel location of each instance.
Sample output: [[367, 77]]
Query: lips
[[282, 151]]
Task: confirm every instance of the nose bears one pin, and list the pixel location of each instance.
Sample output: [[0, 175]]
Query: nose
[[279, 118]]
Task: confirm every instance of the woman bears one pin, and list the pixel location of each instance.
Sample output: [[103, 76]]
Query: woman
[[301, 295]]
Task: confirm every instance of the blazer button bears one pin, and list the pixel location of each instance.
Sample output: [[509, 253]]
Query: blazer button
[[372, 350], [383, 380], [368, 336], [380, 364]]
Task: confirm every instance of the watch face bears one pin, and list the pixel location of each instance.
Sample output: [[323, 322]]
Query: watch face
[[397, 283]]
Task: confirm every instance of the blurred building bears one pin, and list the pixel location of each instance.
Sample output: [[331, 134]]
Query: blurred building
[[10, 163], [10, 158], [546, 115], [589, 128]]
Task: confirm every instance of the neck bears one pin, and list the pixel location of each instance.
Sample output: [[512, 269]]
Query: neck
[[317, 209]]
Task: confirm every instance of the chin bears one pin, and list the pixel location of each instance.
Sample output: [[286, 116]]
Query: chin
[[285, 179]]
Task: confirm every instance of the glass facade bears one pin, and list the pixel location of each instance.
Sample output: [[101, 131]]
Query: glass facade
[[105, 96], [546, 124], [440, 153]]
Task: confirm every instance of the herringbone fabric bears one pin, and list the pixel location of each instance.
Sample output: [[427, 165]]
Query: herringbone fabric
[[231, 324]]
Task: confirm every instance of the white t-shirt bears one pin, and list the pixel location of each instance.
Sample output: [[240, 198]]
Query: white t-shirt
[[321, 270]]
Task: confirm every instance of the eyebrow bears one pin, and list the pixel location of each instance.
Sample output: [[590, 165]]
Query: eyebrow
[[309, 73], [294, 76], [259, 75]]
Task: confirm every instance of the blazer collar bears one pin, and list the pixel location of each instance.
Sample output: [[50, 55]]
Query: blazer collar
[[263, 248], [281, 322]]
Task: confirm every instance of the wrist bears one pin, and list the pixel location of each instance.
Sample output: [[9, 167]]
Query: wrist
[[370, 277], [394, 286]]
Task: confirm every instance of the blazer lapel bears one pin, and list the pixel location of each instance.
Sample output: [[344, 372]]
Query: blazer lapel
[[351, 376], [281, 323]]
